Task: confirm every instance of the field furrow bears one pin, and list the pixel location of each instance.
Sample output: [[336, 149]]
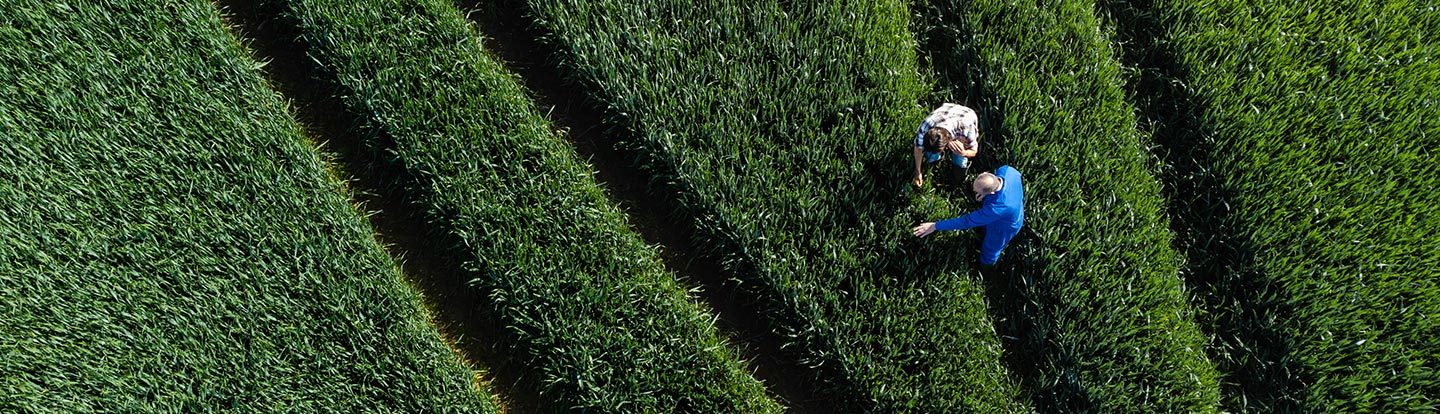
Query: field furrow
[[589, 310], [1300, 142], [781, 130], [170, 241]]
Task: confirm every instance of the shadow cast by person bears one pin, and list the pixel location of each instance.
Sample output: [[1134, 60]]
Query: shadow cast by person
[[1017, 296]]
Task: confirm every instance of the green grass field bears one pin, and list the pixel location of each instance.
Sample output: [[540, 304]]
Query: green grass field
[[587, 306], [1301, 139], [170, 241], [782, 129], [1229, 207], [1102, 317]]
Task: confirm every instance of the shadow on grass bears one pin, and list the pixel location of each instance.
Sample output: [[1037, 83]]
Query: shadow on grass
[[1248, 350], [1014, 287], [652, 212], [425, 255]]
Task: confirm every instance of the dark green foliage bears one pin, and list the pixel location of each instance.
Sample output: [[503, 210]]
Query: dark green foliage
[[783, 130], [1104, 314], [1303, 134], [169, 241], [588, 306]]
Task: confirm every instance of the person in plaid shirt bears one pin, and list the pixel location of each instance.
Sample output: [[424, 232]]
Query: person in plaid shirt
[[952, 130]]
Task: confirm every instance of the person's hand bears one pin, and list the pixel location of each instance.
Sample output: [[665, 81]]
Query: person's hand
[[955, 147], [924, 229], [919, 179]]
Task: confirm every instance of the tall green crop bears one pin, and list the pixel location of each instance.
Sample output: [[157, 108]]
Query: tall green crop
[[783, 130], [589, 308], [1102, 310], [169, 241], [1302, 135]]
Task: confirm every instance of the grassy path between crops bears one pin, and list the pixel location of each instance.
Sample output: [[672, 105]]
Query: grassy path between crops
[[739, 318], [1300, 143], [1198, 200], [452, 306]]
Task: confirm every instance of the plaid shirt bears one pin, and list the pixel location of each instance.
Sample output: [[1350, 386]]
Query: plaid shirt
[[961, 121]]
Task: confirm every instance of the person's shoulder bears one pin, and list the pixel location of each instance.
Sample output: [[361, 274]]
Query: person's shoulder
[[1009, 174]]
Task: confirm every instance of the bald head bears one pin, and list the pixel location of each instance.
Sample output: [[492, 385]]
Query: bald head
[[985, 184]]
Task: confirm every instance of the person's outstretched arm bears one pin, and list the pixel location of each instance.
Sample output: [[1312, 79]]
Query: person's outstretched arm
[[985, 215]]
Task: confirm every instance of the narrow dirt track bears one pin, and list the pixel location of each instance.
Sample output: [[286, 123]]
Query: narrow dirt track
[[453, 307]]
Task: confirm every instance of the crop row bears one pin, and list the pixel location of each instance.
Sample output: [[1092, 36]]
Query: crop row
[[1305, 134], [1102, 310], [781, 129], [589, 307], [170, 241]]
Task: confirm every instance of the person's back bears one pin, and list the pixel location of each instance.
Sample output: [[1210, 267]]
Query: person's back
[[1001, 212], [951, 129], [1010, 199]]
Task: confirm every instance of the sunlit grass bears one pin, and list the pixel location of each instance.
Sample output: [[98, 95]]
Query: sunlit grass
[[1104, 314], [589, 309], [783, 130], [170, 241], [1312, 133]]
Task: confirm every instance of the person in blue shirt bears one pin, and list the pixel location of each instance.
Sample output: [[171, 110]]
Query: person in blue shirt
[[1002, 212]]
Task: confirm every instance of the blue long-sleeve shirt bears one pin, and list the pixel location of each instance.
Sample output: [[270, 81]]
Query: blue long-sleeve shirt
[[1002, 211]]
